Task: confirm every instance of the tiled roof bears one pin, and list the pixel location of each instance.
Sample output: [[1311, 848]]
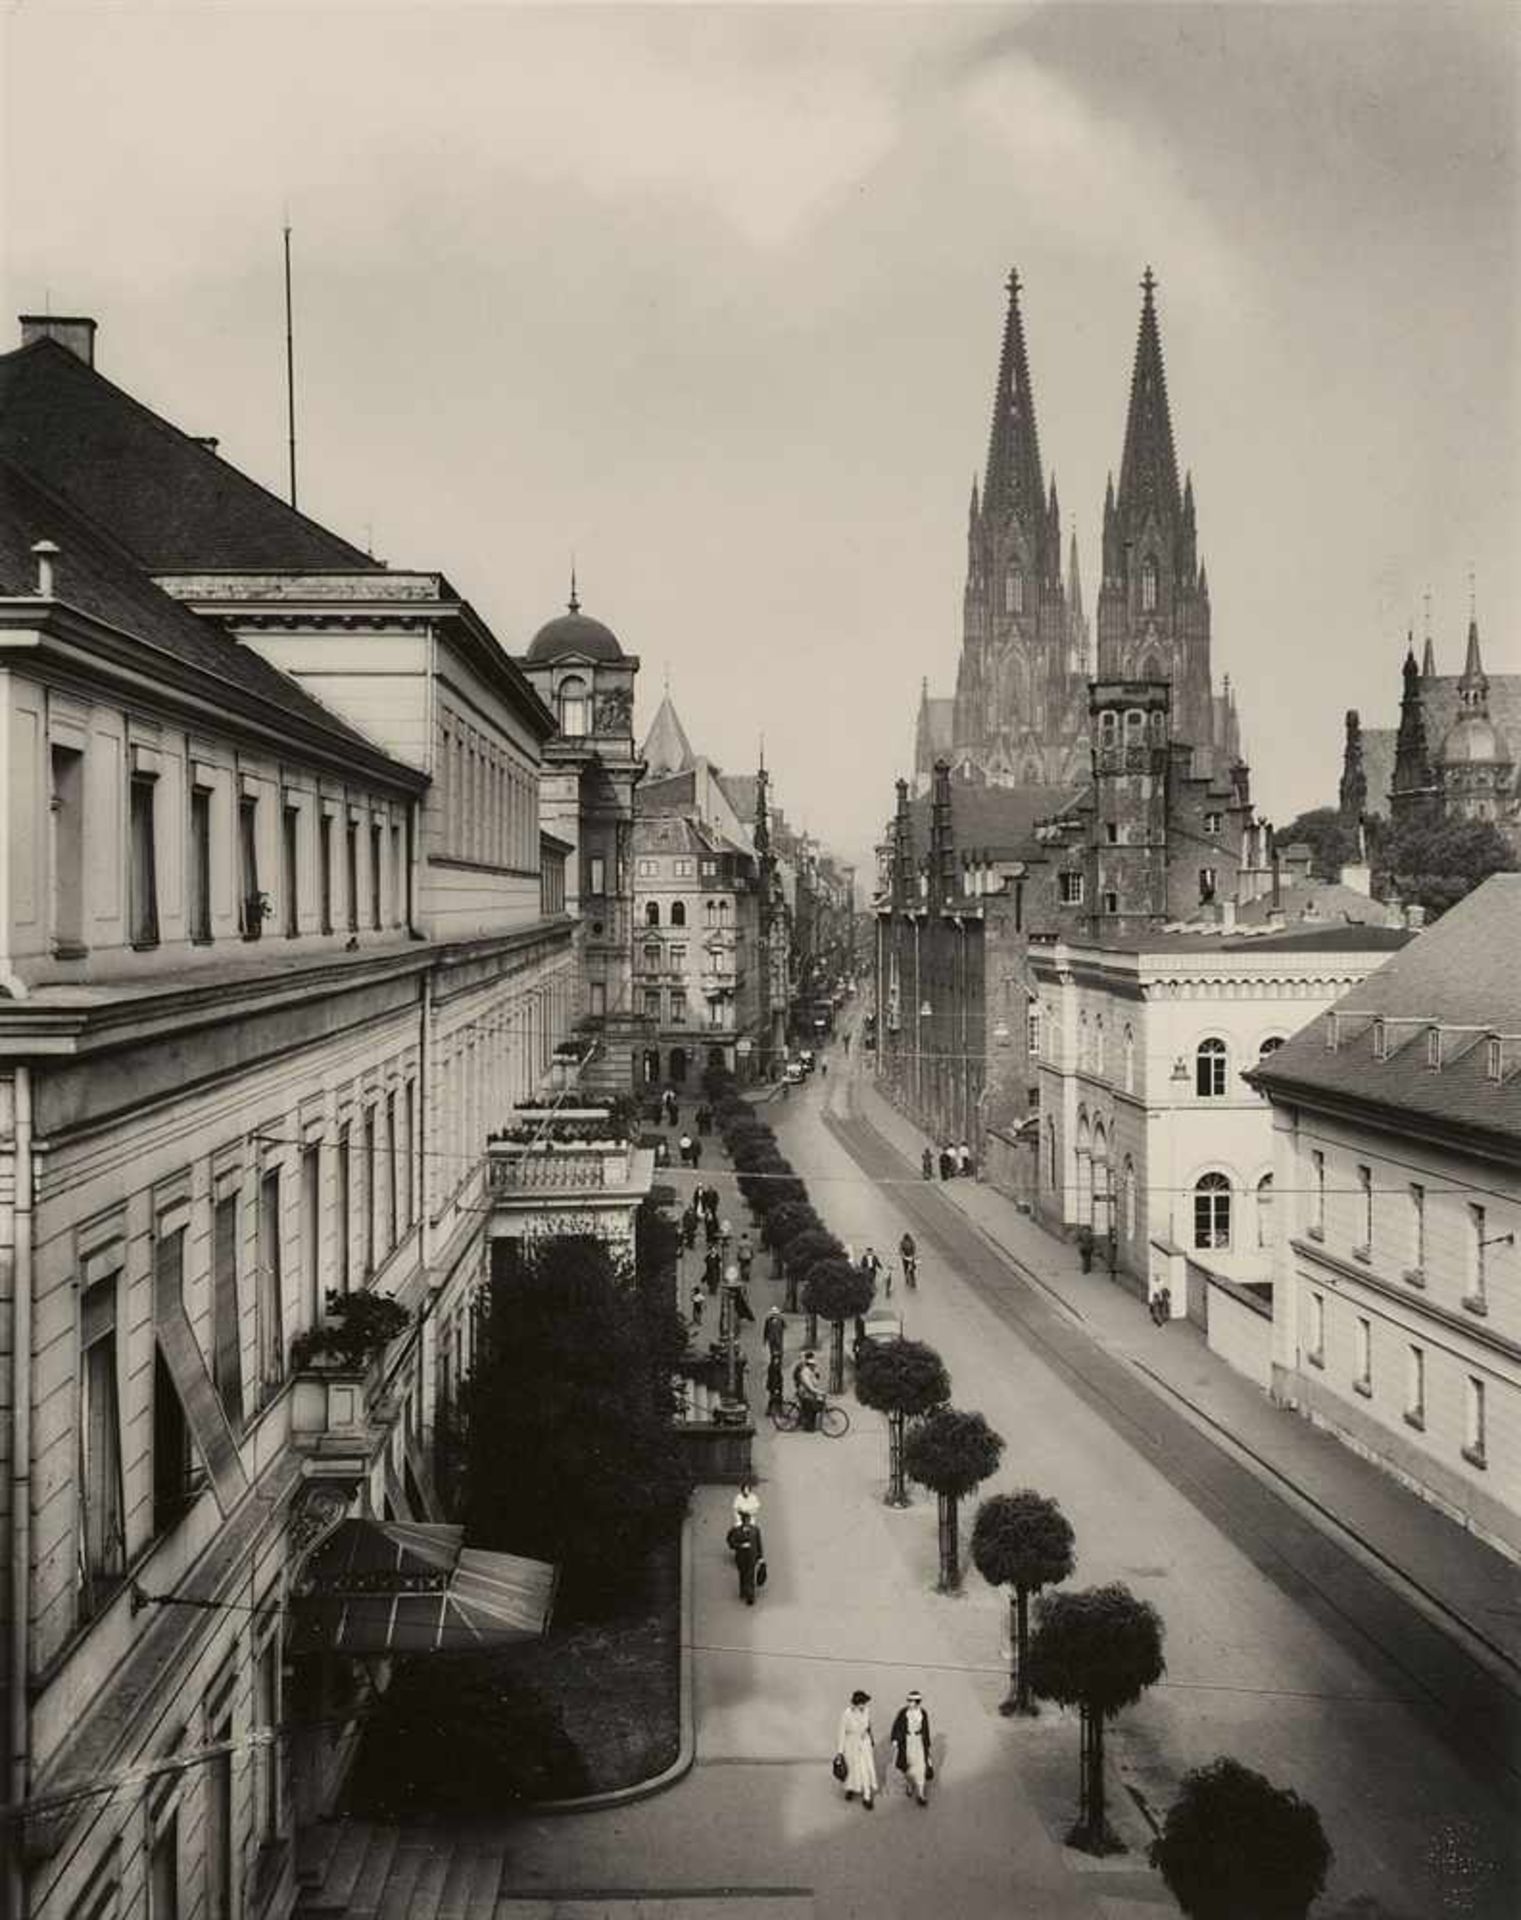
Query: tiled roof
[[95, 576], [1460, 974], [995, 820], [1327, 901], [1304, 937], [672, 794], [666, 747], [168, 499]]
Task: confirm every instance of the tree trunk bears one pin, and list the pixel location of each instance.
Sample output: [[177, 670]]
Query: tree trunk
[[791, 1293], [1093, 1834], [837, 1356], [950, 1546], [1023, 1702], [897, 1490], [811, 1338]]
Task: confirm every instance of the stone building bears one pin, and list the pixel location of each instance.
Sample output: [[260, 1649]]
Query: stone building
[[1397, 1267], [1020, 715], [283, 941]]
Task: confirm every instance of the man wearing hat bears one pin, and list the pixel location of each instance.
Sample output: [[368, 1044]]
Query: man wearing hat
[[910, 1737]]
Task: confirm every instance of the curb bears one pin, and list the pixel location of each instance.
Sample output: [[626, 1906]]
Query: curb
[[686, 1752]]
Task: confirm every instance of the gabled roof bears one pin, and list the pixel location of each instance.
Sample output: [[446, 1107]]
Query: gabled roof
[[996, 820], [666, 747], [172, 502], [94, 575], [1460, 975]]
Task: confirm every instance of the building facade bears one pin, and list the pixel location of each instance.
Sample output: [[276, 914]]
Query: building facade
[[281, 945], [1020, 715], [1397, 1139]]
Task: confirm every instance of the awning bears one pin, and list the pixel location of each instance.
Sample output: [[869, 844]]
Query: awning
[[378, 1586]]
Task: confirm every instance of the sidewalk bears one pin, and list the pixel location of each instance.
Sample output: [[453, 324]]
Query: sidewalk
[[1455, 1577]]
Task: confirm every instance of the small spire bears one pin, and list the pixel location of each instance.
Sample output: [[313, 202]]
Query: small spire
[[1148, 284], [573, 604], [1473, 596]]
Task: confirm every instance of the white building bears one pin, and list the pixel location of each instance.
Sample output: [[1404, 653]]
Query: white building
[[1397, 1132], [1146, 1125]]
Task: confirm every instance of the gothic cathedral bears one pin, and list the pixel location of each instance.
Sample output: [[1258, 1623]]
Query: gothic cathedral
[[1020, 712]]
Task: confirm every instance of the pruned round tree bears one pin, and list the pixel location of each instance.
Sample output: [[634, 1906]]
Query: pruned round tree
[[782, 1222], [904, 1379], [1097, 1650], [802, 1252], [951, 1452], [1022, 1541], [1235, 1847], [836, 1291]]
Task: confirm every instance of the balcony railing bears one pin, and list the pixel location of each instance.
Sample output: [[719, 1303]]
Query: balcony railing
[[512, 1170]]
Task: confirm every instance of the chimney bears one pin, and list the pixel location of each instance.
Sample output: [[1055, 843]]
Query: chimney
[[1227, 916], [45, 553], [1415, 917], [209, 441], [1358, 875], [73, 331]]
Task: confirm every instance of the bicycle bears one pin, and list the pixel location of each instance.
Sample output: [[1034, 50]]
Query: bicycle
[[833, 1421]]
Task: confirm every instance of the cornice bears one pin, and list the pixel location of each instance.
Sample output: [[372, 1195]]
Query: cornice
[[1416, 1304]]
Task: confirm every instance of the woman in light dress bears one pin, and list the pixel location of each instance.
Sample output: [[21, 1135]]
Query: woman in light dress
[[856, 1745], [746, 1503]]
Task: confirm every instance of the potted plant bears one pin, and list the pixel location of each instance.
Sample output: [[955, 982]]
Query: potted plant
[[360, 1325]]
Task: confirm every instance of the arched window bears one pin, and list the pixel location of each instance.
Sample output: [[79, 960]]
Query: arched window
[[1127, 1188], [1135, 727], [1098, 1044], [1109, 728], [1128, 1044], [1148, 585], [1209, 1070], [678, 913], [1265, 1211], [1212, 1212], [1082, 1042], [1084, 1171], [1014, 591], [1051, 1148], [573, 706], [652, 913], [710, 908], [1150, 668], [1270, 1046], [1158, 727]]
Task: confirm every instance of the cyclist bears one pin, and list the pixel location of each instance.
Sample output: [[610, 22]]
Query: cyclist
[[809, 1389], [910, 1255]]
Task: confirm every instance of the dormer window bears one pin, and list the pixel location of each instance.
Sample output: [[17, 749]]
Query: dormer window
[[1380, 1041], [1493, 1063], [1433, 1046], [573, 708]]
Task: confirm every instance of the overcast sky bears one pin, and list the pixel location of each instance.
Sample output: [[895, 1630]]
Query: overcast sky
[[712, 297]]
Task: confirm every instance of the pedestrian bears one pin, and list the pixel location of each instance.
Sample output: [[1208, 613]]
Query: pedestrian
[[710, 1204], [725, 1236], [1085, 1246], [688, 1227], [776, 1397], [927, 1164], [749, 1559], [744, 1253], [910, 1739], [1160, 1302], [747, 1502], [871, 1264], [662, 1154], [965, 1165], [947, 1163], [908, 1248], [711, 1270], [696, 1153], [743, 1311], [855, 1751], [774, 1332], [823, 1069], [686, 1149], [709, 1231], [697, 1300]]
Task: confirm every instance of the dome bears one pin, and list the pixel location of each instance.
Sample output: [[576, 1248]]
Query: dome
[[1471, 740], [575, 633]]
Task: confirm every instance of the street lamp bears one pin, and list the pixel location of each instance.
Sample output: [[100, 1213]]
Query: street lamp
[[733, 1410]]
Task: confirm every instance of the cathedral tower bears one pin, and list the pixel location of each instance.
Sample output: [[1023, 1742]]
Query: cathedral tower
[[1413, 790], [1014, 691], [1153, 605]]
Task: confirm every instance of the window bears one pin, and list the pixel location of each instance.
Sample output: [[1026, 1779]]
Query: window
[[1111, 901], [1315, 1329], [1098, 1045], [1127, 1045], [393, 1170], [409, 1121], [596, 882], [1070, 889], [1212, 1212], [652, 913], [268, 1302], [199, 875], [377, 867], [102, 1539], [647, 869], [1148, 585], [1208, 879], [1270, 1046], [164, 1870], [1477, 1297], [573, 708], [351, 872], [709, 869], [682, 869], [173, 1466], [398, 879], [250, 900], [1209, 1070], [1417, 1198], [1212, 823], [226, 1329], [343, 1212], [1127, 1189], [290, 822], [1158, 723], [67, 767], [1317, 1194], [325, 871], [266, 1721], [652, 1003], [678, 913], [1109, 729], [217, 1840], [1014, 591], [1415, 1387], [367, 1191], [678, 958], [1362, 1355], [597, 999], [1032, 1032], [1363, 1248], [311, 1233], [1474, 1435], [678, 1007], [142, 875], [1265, 1211], [1112, 832]]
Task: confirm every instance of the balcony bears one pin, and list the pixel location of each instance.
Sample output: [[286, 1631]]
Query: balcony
[[551, 1159]]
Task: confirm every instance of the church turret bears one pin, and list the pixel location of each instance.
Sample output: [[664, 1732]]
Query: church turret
[[1428, 660], [1354, 778], [1412, 791], [1013, 481], [942, 855]]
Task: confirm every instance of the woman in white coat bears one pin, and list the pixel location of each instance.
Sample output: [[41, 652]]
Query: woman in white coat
[[858, 1750]]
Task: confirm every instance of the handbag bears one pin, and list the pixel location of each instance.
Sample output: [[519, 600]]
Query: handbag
[[760, 1573], [731, 1538], [838, 1766]]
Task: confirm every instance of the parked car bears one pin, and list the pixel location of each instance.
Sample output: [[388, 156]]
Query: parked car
[[793, 1072], [883, 1326]]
